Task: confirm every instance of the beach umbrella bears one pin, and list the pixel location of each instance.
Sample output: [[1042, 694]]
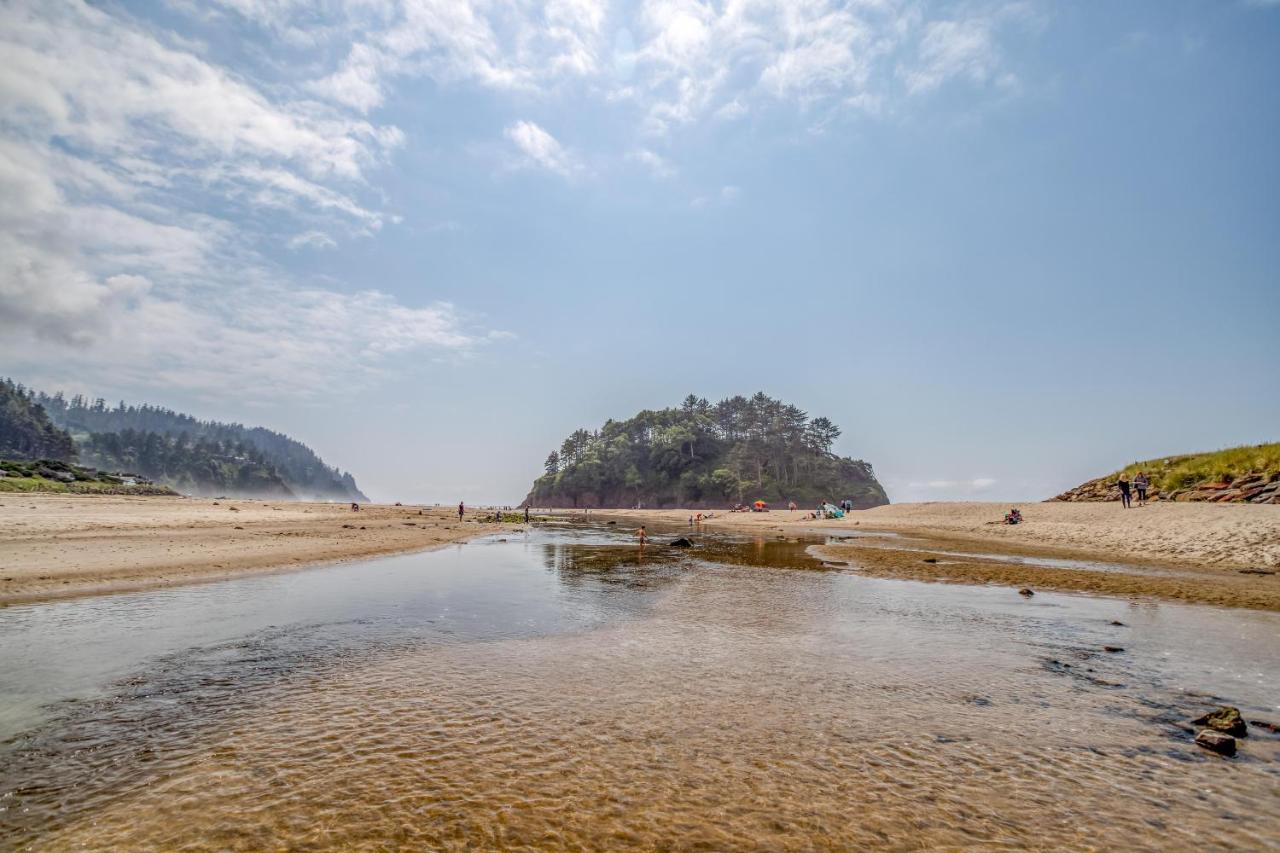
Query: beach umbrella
[[761, 503]]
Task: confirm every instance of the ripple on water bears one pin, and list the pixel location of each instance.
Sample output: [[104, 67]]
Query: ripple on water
[[748, 708]]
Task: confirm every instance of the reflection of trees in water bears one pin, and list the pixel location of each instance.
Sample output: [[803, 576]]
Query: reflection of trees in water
[[617, 565]]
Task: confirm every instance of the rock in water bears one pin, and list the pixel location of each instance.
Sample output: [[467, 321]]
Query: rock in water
[[1225, 719], [681, 543], [1216, 742], [1025, 592]]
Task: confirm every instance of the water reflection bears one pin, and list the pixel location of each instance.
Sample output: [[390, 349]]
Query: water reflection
[[564, 689]]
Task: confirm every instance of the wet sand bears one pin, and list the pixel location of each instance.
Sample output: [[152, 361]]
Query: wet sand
[[1183, 552], [54, 546]]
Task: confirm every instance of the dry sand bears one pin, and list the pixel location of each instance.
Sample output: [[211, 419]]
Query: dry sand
[[58, 545], [1188, 552]]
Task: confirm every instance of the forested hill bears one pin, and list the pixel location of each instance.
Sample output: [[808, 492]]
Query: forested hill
[[704, 455], [25, 429], [196, 456]]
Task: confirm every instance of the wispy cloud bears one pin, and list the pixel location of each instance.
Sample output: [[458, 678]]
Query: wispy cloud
[[655, 163], [128, 161], [540, 149]]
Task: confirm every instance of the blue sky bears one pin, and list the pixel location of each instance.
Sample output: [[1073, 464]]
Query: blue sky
[[1006, 246]]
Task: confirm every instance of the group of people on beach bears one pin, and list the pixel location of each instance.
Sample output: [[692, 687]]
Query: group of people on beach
[[1140, 485]]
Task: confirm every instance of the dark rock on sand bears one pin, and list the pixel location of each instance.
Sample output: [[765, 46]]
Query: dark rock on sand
[[681, 543], [1225, 719], [1261, 724], [1025, 592], [1117, 623], [931, 559], [1216, 742], [1255, 572], [1113, 648]]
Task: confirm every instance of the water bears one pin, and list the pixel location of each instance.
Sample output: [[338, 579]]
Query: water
[[560, 689]]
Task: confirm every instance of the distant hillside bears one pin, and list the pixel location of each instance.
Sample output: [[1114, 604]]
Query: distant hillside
[[25, 429], [702, 455], [194, 456], [1237, 474]]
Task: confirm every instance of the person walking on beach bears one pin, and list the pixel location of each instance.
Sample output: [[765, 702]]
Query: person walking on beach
[[642, 536], [1123, 483], [526, 515], [461, 508], [1140, 483]]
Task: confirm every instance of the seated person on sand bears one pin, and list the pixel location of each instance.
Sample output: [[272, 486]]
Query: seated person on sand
[[1014, 517]]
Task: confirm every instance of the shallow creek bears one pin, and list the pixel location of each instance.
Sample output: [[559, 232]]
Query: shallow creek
[[560, 688]]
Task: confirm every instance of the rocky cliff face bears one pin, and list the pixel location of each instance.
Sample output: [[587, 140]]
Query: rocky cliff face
[[1248, 488]]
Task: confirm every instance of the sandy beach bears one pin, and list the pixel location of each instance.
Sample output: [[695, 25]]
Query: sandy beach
[[57, 545], [1204, 553]]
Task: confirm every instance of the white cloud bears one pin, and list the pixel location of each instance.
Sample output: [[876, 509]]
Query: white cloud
[[975, 484], [951, 49], [311, 240], [119, 142], [730, 193], [655, 163], [541, 149]]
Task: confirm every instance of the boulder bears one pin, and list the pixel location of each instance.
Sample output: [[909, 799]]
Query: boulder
[[1225, 719], [681, 543], [1216, 742], [1025, 593]]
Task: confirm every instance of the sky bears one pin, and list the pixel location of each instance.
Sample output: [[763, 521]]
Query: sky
[[1006, 246]]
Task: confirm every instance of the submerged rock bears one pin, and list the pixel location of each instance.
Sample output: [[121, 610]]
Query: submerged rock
[[1218, 742], [1225, 719], [1113, 648], [681, 543]]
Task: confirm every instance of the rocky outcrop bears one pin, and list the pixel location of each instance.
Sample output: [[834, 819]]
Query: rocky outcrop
[[1249, 488], [1216, 742], [1226, 719]]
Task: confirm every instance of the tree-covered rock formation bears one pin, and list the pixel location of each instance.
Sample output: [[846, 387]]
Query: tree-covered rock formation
[[25, 429], [704, 455], [195, 456]]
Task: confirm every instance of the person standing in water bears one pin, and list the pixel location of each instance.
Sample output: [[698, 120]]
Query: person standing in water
[[1123, 483], [526, 515], [1140, 483], [642, 536]]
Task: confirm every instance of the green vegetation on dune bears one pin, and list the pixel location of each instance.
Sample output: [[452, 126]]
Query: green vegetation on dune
[[1236, 474], [706, 455], [54, 475], [1174, 473]]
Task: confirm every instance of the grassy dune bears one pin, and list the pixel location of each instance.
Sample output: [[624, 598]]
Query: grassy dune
[[1172, 473]]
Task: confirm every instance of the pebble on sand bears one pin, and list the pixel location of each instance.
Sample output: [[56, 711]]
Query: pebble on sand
[[1223, 744]]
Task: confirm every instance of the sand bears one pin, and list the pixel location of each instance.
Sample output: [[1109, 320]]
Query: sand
[[59, 545], [1186, 552]]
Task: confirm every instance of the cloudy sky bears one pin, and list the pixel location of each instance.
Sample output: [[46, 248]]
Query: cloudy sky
[[1005, 245]]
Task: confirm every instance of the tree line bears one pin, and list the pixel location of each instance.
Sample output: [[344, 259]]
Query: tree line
[[294, 464], [703, 454]]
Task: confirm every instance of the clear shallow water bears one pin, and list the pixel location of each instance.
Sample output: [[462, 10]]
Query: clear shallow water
[[558, 690]]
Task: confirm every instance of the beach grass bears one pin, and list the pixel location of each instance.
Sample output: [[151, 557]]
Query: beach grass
[[1180, 472]]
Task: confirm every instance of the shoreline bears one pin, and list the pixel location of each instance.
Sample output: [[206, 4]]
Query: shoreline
[[59, 546], [1197, 553]]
